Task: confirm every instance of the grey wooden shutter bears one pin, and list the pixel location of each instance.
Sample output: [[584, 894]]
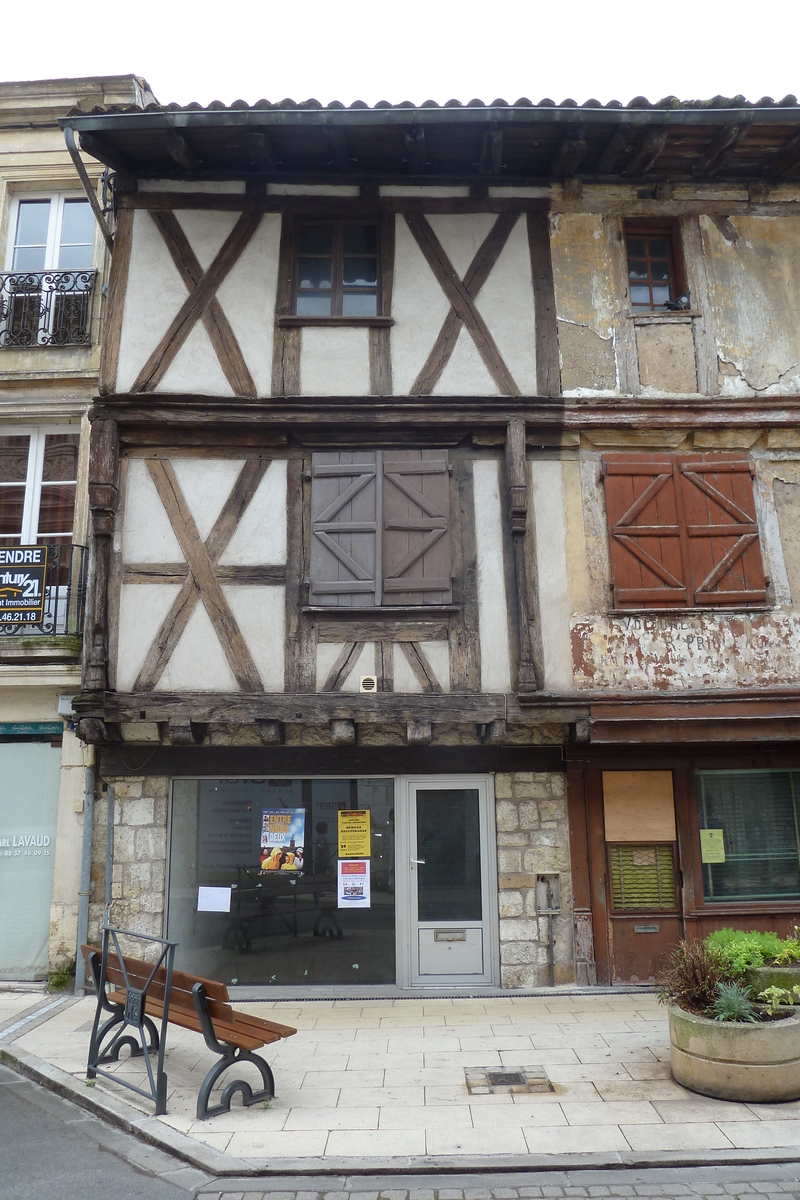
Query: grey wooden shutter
[[344, 570], [416, 527]]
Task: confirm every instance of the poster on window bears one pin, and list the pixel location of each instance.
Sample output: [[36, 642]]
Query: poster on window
[[354, 833], [354, 883], [283, 835], [22, 579]]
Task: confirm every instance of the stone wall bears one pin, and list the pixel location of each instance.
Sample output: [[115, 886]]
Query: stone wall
[[140, 857], [532, 839]]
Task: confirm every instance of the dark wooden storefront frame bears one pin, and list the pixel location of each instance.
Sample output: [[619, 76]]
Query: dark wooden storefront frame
[[588, 844]]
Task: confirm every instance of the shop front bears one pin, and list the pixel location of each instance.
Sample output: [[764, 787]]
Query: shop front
[[294, 882]]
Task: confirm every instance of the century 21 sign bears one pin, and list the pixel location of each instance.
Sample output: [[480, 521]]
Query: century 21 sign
[[22, 575]]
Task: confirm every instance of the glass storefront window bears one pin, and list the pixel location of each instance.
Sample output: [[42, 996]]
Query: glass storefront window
[[284, 926], [751, 850]]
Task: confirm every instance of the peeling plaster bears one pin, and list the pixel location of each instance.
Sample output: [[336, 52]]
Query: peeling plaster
[[662, 652]]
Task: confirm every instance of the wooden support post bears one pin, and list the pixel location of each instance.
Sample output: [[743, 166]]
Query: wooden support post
[[518, 500], [419, 733], [494, 733], [183, 732], [103, 499], [273, 733]]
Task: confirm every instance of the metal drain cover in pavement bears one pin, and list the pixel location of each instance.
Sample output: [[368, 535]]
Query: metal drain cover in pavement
[[491, 1080]]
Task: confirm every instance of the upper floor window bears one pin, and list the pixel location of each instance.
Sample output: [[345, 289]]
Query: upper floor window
[[46, 288], [38, 477], [336, 269], [655, 277], [682, 531], [380, 528]]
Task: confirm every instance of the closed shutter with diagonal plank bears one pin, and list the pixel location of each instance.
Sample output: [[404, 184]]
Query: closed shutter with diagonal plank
[[344, 570], [682, 530], [416, 527]]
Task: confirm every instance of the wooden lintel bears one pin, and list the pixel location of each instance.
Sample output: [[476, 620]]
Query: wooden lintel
[[646, 153], [710, 162], [181, 152], [415, 150]]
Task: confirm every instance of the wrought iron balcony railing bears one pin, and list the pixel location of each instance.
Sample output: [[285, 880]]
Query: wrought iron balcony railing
[[64, 597], [46, 308]]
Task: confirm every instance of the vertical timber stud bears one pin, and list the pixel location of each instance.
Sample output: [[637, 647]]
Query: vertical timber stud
[[548, 373], [286, 343], [518, 495], [380, 346], [115, 304], [103, 495]]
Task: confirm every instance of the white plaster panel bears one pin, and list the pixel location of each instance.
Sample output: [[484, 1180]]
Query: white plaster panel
[[206, 485], [430, 193], [154, 293], [466, 374], [492, 610], [419, 306], [212, 187], [462, 236], [404, 678], [206, 231], [365, 665], [438, 655], [547, 486], [334, 362], [313, 189], [147, 535], [327, 653], [247, 295], [142, 608], [198, 662], [518, 193], [260, 612], [260, 536], [196, 368], [506, 304]]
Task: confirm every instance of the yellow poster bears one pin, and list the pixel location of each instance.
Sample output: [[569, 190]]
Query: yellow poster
[[712, 845], [354, 833]]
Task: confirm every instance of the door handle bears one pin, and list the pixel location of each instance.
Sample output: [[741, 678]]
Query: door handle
[[421, 861]]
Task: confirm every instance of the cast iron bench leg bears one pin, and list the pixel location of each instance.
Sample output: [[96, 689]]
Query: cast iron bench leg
[[229, 1056]]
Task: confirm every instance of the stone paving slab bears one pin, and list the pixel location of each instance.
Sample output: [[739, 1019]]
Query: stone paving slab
[[382, 1081]]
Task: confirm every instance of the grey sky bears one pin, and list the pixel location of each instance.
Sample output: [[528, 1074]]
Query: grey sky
[[414, 50]]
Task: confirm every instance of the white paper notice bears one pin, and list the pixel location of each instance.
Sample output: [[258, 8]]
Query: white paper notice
[[354, 883], [214, 899]]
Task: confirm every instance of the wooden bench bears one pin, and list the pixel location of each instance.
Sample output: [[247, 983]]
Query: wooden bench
[[133, 993]]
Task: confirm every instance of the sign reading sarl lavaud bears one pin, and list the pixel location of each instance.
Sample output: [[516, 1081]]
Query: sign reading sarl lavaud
[[22, 574]]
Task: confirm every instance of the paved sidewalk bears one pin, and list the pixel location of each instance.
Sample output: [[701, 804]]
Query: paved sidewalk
[[381, 1084]]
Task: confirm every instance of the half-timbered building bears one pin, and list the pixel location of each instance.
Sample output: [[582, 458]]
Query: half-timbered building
[[445, 469]]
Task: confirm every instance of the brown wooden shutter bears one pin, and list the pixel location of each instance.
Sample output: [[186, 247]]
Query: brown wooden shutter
[[682, 531], [416, 527], [345, 553]]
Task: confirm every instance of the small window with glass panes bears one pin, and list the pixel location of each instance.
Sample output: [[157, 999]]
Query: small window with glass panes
[[654, 274], [336, 269]]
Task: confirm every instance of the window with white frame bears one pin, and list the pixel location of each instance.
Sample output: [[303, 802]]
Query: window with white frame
[[48, 280], [38, 478]]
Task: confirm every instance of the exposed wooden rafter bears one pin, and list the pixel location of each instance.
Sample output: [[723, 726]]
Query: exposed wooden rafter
[[787, 158], [646, 153], [101, 150], [569, 156], [726, 140], [181, 152], [259, 147], [491, 152], [415, 150], [340, 154], [614, 151]]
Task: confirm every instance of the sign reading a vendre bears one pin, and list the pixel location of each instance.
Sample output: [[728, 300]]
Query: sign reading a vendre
[[22, 576]]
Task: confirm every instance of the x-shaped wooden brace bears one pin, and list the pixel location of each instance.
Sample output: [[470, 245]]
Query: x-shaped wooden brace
[[201, 581], [201, 305], [462, 295]]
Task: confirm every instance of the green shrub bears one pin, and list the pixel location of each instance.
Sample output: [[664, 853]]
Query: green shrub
[[775, 998], [734, 1003], [744, 949]]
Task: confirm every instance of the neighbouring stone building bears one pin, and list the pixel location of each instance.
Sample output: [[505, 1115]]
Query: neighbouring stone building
[[445, 492]]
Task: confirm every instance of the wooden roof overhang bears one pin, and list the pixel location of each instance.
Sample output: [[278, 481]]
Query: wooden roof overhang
[[521, 144]]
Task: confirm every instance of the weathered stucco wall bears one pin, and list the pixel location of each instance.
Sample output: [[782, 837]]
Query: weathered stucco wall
[[586, 304], [754, 291]]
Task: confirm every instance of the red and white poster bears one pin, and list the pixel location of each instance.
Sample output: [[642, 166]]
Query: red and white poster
[[354, 883]]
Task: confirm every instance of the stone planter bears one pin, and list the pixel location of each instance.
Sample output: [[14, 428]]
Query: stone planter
[[736, 1061], [760, 978]]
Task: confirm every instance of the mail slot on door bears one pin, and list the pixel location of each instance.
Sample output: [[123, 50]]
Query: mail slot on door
[[450, 935]]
